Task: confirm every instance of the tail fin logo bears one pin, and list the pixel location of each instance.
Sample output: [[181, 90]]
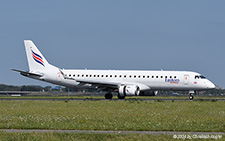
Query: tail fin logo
[[37, 58]]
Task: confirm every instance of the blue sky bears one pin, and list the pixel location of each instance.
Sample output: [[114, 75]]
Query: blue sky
[[128, 34]]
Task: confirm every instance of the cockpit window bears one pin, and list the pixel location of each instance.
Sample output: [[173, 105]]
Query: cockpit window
[[200, 77], [196, 77]]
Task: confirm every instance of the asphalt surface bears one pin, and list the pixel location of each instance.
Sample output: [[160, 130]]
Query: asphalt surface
[[110, 132], [87, 99]]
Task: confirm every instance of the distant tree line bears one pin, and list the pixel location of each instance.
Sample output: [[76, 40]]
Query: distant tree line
[[34, 88], [4, 87]]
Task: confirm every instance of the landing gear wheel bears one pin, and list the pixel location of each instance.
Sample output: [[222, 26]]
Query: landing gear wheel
[[108, 96], [121, 97], [191, 97]]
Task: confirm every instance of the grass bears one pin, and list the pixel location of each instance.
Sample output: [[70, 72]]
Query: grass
[[85, 136], [114, 115], [51, 136]]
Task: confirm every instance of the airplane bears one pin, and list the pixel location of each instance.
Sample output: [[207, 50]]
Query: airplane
[[124, 82]]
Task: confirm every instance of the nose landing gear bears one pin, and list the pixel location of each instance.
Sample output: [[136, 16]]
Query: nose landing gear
[[191, 97]]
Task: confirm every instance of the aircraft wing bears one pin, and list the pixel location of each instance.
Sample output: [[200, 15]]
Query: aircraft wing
[[111, 84], [27, 73], [100, 83]]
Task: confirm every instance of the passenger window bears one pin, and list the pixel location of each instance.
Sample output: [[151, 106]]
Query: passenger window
[[152, 76], [165, 76], [156, 76], [102, 75], [124, 76], [143, 76], [115, 75], [161, 76], [86, 75], [90, 75], [74, 75], [130, 76], [70, 75], [135, 76], [170, 76], [139, 76], [110, 75], [175, 77], [78, 75], [106, 76]]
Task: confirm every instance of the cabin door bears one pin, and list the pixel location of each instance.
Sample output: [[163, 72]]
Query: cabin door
[[186, 79], [59, 77]]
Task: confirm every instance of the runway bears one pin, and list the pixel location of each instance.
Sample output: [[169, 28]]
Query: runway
[[110, 132], [94, 99]]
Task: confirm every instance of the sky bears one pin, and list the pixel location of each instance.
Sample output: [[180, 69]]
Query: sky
[[114, 34]]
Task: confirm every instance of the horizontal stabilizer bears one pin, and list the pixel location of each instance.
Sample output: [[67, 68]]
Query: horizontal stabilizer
[[24, 73]]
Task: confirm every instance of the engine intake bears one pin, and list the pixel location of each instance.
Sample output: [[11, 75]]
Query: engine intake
[[129, 90]]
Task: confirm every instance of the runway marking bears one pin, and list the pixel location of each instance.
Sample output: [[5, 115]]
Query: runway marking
[[110, 132]]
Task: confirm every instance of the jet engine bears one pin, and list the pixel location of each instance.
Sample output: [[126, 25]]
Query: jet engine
[[131, 90]]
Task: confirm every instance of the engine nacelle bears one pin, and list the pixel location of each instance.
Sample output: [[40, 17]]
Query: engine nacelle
[[129, 90]]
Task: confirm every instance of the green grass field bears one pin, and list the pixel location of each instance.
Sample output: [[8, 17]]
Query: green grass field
[[74, 137], [92, 137], [114, 115]]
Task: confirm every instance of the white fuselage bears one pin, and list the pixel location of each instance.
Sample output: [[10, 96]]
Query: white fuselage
[[146, 80]]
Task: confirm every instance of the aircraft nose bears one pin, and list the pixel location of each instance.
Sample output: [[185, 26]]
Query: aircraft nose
[[211, 85]]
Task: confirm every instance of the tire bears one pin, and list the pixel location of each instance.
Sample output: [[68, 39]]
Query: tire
[[191, 97], [108, 96], [121, 97]]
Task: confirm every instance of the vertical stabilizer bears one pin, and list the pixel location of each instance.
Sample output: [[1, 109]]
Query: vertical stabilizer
[[36, 60]]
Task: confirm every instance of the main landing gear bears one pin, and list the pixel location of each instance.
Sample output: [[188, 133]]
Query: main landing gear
[[108, 96], [120, 97]]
